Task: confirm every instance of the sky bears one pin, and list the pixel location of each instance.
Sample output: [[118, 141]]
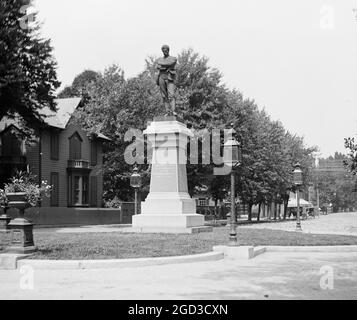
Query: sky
[[296, 58]]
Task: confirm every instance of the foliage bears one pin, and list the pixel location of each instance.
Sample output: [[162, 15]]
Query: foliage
[[116, 104], [114, 203], [351, 161], [24, 182], [80, 84], [28, 77], [3, 198], [336, 187]]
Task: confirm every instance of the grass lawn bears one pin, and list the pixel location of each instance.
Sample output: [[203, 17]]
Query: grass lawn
[[116, 245]]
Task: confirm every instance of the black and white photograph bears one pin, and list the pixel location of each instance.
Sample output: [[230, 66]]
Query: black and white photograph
[[189, 153]]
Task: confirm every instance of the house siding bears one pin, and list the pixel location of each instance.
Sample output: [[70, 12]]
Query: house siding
[[59, 166], [32, 156]]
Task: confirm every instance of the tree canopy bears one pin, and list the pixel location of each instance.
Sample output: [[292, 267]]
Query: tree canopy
[[28, 77], [115, 104], [336, 186]]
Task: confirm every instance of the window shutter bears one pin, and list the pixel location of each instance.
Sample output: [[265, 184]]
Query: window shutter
[[54, 146], [93, 154], [55, 188], [93, 191]]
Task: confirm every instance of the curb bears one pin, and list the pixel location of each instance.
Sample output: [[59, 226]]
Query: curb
[[14, 261], [8, 261], [240, 252], [117, 263], [346, 248]]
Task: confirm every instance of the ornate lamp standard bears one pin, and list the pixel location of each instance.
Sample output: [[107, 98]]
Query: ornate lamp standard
[[232, 157], [298, 182], [135, 182]]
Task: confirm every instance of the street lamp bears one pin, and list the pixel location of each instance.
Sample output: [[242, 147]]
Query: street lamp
[[298, 183], [232, 157], [135, 182]]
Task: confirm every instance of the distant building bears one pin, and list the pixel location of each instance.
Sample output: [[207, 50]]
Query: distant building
[[60, 153]]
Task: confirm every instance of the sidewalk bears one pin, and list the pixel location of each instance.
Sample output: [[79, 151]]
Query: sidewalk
[[275, 275], [344, 223]]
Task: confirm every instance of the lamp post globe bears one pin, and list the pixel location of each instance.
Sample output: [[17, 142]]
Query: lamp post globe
[[135, 182], [297, 174], [135, 179], [232, 154], [298, 182]]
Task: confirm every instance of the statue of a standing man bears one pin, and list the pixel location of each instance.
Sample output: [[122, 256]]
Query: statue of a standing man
[[166, 79]]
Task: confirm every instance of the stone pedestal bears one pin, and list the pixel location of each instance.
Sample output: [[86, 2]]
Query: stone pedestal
[[21, 236], [168, 207], [4, 221]]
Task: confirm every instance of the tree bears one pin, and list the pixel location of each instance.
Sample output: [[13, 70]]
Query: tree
[[351, 161], [116, 104], [80, 85], [28, 77], [336, 186]]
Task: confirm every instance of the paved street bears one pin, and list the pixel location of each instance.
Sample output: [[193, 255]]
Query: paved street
[[274, 275], [344, 223]]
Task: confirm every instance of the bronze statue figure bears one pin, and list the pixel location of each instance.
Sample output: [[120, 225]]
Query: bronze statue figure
[[166, 76]]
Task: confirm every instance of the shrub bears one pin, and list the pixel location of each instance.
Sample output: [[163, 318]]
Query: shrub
[[25, 182]]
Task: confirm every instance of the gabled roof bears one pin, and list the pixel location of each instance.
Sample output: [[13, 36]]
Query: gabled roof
[[7, 122], [65, 109], [7, 126], [59, 119]]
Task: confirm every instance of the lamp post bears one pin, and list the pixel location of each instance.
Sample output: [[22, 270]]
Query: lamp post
[[135, 182], [298, 183], [232, 157]]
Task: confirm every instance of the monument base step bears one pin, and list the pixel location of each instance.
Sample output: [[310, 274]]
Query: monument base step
[[148, 220], [8, 261], [20, 249], [167, 229], [239, 252]]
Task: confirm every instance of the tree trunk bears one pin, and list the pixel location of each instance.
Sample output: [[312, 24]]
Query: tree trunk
[[275, 209], [258, 216], [250, 212], [220, 213], [215, 209], [269, 211], [285, 209], [279, 211]]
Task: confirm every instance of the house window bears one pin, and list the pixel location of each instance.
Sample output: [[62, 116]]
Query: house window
[[78, 189], [55, 189], [75, 147], [93, 191], [10, 145], [93, 153], [202, 202], [54, 146]]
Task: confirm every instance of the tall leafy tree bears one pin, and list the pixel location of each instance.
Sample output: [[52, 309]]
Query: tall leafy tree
[[80, 85], [116, 104], [337, 187], [28, 77], [351, 161]]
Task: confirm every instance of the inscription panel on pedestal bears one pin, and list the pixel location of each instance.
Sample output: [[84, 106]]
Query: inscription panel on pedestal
[[17, 237], [163, 178]]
